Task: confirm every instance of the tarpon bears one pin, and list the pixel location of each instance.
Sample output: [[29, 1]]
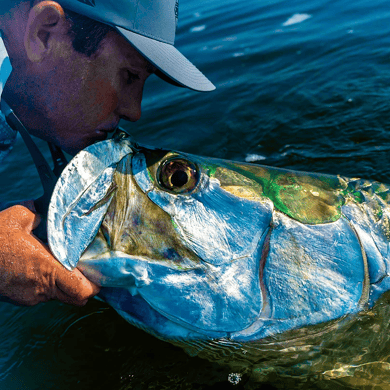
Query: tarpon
[[201, 251]]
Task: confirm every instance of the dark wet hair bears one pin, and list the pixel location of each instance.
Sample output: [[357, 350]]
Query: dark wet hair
[[87, 34]]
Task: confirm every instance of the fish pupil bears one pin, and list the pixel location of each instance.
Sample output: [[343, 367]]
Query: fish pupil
[[178, 175], [179, 178]]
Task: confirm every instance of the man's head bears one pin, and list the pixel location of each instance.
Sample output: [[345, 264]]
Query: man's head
[[74, 78], [87, 33]]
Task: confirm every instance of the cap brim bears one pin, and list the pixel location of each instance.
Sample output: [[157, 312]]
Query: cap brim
[[169, 61]]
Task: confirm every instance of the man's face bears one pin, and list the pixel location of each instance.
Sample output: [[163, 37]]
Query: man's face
[[77, 99]]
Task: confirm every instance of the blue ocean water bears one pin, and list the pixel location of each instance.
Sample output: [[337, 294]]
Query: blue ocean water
[[303, 85]]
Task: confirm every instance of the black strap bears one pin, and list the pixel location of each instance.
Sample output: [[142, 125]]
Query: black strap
[[46, 174], [59, 159]]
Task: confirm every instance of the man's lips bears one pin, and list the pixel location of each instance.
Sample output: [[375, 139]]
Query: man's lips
[[102, 134], [108, 126]]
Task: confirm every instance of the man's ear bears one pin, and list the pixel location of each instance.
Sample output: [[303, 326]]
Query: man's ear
[[46, 21]]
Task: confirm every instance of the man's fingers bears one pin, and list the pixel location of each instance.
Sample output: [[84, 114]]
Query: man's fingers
[[75, 285], [62, 297], [71, 283], [29, 273]]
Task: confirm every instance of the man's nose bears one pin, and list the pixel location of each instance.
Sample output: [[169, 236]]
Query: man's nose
[[129, 107]]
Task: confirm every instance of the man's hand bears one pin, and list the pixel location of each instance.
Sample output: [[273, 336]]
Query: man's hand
[[29, 273]]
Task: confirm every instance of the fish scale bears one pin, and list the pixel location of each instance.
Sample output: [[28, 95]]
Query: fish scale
[[237, 252]]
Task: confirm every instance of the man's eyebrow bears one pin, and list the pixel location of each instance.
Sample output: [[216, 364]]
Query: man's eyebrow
[[150, 68]]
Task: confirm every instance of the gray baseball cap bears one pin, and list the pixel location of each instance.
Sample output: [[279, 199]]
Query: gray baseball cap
[[150, 26]]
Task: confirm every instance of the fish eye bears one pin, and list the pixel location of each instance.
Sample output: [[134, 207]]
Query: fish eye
[[178, 175]]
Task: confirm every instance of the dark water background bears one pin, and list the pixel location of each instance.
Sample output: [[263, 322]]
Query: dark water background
[[311, 96]]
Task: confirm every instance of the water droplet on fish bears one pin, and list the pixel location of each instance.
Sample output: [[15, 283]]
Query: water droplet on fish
[[234, 378]]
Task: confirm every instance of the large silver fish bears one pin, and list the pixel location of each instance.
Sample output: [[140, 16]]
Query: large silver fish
[[210, 253]]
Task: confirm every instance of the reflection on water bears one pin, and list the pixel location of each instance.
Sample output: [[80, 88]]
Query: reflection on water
[[300, 84], [353, 352], [56, 346]]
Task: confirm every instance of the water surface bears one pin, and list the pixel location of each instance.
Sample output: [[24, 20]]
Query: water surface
[[300, 84]]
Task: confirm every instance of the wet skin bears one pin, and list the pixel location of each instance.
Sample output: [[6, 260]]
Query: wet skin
[[64, 96], [69, 99]]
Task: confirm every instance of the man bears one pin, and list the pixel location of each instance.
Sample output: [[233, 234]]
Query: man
[[78, 67]]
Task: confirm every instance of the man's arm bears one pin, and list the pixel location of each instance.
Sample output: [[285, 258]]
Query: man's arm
[[29, 273]]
